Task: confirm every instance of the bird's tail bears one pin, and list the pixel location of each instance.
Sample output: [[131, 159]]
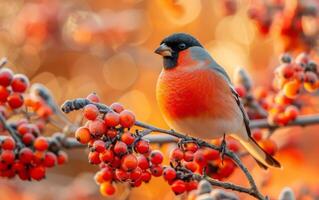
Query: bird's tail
[[264, 159]]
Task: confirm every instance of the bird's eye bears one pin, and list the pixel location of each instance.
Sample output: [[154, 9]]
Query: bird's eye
[[182, 46]]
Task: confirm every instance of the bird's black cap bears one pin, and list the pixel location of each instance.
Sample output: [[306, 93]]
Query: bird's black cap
[[172, 45]]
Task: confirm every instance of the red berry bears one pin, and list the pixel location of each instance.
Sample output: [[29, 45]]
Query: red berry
[[17, 166], [210, 154], [146, 176], [136, 174], [199, 158], [8, 143], [15, 100], [232, 145], [50, 159], [37, 173], [169, 173], [127, 138], [241, 90], [99, 146], [93, 97], [24, 128], [176, 154], [190, 146], [156, 157], [226, 168], [257, 134], [106, 173], [111, 133], [38, 157], [178, 187], [285, 71], [28, 138], [107, 189], [191, 166], [143, 162], [191, 185], [116, 162], [129, 162], [90, 112], [83, 135], [120, 148], [188, 156], [121, 174], [24, 175], [6, 77], [20, 83], [94, 158], [292, 112], [4, 94], [41, 143], [127, 119], [62, 157], [97, 127], [112, 119], [142, 146], [117, 107], [156, 170], [26, 155], [107, 156], [7, 156]]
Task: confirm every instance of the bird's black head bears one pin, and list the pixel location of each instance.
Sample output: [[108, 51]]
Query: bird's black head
[[172, 45]]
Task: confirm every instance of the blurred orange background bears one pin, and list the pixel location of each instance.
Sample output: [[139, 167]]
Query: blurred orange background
[[75, 47]]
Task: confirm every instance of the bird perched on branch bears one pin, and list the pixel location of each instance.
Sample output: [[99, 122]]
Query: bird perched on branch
[[196, 96]]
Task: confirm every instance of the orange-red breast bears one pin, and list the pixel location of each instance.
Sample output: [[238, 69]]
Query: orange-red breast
[[196, 96]]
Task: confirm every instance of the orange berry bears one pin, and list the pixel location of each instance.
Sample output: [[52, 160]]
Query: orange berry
[[41, 143], [83, 135], [309, 87], [107, 189], [97, 127], [127, 119], [129, 162], [112, 119], [269, 146], [90, 112], [282, 99], [117, 107], [291, 89], [292, 112], [93, 97]]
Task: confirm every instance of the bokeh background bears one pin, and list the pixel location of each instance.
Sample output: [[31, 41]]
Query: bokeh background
[[75, 47]]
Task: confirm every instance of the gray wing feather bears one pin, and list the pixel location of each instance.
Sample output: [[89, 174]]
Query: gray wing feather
[[202, 54]]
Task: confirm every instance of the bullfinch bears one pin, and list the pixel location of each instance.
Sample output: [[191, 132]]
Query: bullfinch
[[196, 96]]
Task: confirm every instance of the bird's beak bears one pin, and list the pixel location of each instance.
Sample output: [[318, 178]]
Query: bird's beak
[[164, 50]]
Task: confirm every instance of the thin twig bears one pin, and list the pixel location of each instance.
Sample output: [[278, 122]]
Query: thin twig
[[10, 130]]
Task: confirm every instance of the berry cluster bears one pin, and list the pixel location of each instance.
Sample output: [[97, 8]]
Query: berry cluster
[[25, 152], [291, 78], [122, 156], [293, 23], [12, 87], [188, 157], [30, 159], [280, 103]]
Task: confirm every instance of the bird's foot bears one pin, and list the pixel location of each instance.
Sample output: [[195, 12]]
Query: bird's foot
[[223, 147]]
